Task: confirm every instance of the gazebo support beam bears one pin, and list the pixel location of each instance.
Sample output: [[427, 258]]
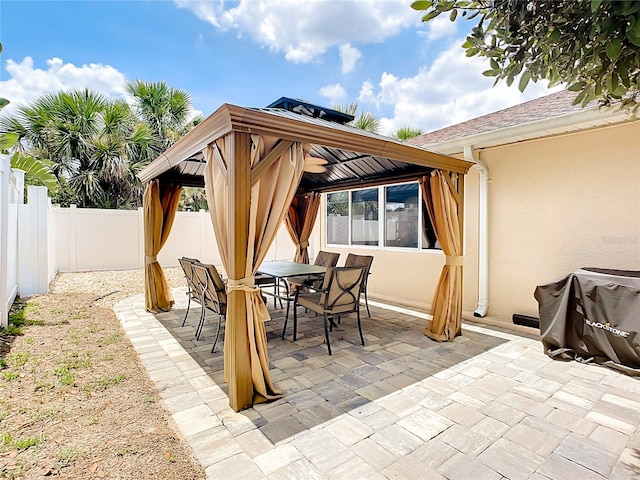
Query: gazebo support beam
[[237, 355]]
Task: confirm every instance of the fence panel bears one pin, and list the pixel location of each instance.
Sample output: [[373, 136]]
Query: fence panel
[[94, 239], [11, 185]]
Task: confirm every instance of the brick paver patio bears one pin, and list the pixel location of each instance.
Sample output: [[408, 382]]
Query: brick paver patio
[[489, 405]]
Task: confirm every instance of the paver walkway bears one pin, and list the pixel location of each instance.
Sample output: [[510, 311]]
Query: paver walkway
[[489, 405]]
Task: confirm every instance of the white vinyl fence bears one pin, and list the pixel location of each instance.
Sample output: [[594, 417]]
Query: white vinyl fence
[[96, 239], [38, 240]]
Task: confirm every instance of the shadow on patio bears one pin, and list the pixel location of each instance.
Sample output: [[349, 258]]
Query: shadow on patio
[[318, 388]]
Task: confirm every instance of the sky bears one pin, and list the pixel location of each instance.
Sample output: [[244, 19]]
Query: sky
[[252, 52]]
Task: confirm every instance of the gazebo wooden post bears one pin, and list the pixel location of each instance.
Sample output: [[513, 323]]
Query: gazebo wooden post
[[236, 335]]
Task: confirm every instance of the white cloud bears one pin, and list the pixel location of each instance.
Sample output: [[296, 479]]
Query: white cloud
[[450, 91], [304, 29], [27, 83], [335, 93], [349, 56], [440, 27], [367, 93]]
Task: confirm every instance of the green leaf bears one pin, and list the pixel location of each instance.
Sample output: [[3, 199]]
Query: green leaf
[[8, 140], [633, 32], [36, 169], [493, 53], [431, 15], [471, 52], [576, 87], [613, 48], [491, 73], [421, 4], [524, 81], [445, 6], [3, 102], [614, 82], [579, 97], [453, 15], [595, 4]]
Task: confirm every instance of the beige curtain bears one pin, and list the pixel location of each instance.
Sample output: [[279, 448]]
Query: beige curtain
[[300, 220], [442, 200], [271, 195], [160, 205]]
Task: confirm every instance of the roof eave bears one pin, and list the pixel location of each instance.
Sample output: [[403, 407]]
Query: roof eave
[[213, 127], [230, 118], [569, 123]]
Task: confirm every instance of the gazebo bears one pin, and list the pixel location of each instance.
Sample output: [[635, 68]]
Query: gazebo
[[260, 166]]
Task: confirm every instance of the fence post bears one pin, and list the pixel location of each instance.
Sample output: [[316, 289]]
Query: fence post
[[53, 213]]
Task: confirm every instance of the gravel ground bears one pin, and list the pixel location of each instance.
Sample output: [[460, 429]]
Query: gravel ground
[[75, 401]]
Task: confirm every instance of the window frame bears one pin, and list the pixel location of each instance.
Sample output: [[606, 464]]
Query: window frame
[[382, 219]]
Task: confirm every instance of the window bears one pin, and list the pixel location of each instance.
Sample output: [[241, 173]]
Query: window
[[364, 217], [338, 218], [390, 216], [401, 216]]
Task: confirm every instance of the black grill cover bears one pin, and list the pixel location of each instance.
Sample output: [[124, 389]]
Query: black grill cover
[[593, 315]]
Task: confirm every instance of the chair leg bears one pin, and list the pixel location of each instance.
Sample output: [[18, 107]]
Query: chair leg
[[360, 326], [200, 323], [188, 307], [295, 321], [220, 318], [286, 315], [326, 332], [284, 327], [366, 302]]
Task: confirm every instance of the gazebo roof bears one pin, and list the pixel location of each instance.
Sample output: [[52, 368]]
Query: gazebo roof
[[355, 158]]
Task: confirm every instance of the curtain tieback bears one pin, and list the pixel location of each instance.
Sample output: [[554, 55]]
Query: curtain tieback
[[304, 244], [247, 284], [149, 259], [454, 260]]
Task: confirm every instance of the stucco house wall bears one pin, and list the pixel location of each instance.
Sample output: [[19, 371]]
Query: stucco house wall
[[558, 204]]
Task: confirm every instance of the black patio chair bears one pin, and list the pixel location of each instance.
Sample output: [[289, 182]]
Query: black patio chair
[[213, 297], [339, 295], [367, 261], [193, 287]]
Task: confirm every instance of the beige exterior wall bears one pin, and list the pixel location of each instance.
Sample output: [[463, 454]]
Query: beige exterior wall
[[556, 205], [559, 204]]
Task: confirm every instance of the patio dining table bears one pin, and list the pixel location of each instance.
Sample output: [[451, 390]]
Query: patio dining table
[[282, 271], [287, 269]]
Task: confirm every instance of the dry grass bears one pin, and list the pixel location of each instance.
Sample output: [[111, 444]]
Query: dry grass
[[75, 401]]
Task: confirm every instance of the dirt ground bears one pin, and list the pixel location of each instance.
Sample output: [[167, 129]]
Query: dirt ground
[[75, 402]]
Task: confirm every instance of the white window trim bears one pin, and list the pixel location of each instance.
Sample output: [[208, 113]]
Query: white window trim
[[382, 218]]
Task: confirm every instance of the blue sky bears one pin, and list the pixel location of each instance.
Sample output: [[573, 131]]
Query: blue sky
[[250, 53]]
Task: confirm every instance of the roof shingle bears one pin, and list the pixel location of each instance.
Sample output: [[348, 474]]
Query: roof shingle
[[554, 105]]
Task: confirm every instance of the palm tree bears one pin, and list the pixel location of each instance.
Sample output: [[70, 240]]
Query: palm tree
[[405, 133], [59, 126], [165, 109], [95, 145], [363, 120]]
